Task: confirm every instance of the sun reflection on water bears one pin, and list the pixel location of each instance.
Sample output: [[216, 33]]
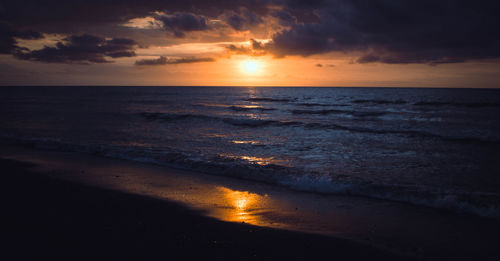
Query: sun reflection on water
[[250, 106], [252, 142], [251, 159], [257, 160]]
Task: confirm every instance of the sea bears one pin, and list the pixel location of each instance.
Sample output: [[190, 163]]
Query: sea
[[424, 146]]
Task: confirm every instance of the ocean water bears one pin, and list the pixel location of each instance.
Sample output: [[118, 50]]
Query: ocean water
[[432, 147]]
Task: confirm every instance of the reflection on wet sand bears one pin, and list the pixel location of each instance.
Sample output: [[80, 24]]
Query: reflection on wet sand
[[244, 205], [236, 200]]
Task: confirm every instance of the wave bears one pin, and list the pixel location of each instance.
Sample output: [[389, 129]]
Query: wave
[[246, 108], [335, 111], [368, 113], [246, 122], [458, 104], [411, 133], [172, 116], [148, 102], [309, 104], [321, 112], [263, 99], [380, 101], [479, 203]]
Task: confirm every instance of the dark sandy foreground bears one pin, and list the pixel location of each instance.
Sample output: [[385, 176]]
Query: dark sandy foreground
[[55, 219]]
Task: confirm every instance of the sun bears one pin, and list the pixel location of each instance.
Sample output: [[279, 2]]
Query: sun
[[251, 66]]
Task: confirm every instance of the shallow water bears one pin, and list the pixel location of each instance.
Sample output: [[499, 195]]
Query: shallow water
[[435, 147]]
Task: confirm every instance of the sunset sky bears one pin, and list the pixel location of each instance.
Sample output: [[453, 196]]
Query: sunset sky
[[250, 43]]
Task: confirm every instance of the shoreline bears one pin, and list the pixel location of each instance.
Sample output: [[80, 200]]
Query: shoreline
[[59, 219], [413, 231]]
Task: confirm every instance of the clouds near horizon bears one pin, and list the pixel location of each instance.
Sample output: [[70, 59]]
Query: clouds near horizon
[[8, 42], [162, 60], [83, 49]]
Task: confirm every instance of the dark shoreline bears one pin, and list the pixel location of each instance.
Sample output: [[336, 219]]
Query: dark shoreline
[[56, 219]]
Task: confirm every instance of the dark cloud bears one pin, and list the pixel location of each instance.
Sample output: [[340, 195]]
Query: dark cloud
[[259, 46], [408, 58], [302, 39], [8, 36], [398, 32], [284, 17], [306, 4], [243, 20], [82, 49], [369, 58], [325, 65], [256, 48], [239, 49], [162, 60], [58, 16], [179, 23]]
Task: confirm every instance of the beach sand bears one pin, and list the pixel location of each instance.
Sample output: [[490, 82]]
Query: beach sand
[[73, 206]]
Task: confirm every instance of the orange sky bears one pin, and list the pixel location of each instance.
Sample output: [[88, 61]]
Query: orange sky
[[230, 71]]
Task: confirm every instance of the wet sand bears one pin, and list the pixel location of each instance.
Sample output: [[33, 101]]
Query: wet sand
[[73, 205]]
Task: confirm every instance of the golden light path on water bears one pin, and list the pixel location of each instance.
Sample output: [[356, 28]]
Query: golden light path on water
[[252, 142]]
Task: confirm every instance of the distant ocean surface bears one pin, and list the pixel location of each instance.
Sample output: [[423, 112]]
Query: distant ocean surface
[[433, 147]]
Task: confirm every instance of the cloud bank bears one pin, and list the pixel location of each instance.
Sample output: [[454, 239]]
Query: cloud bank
[[82, 49], [162, 60], [383, 31]]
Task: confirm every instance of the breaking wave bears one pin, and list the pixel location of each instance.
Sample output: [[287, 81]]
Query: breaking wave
[[483, 204]]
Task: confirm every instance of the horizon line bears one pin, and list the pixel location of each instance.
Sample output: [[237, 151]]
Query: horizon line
[[251, 86]]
